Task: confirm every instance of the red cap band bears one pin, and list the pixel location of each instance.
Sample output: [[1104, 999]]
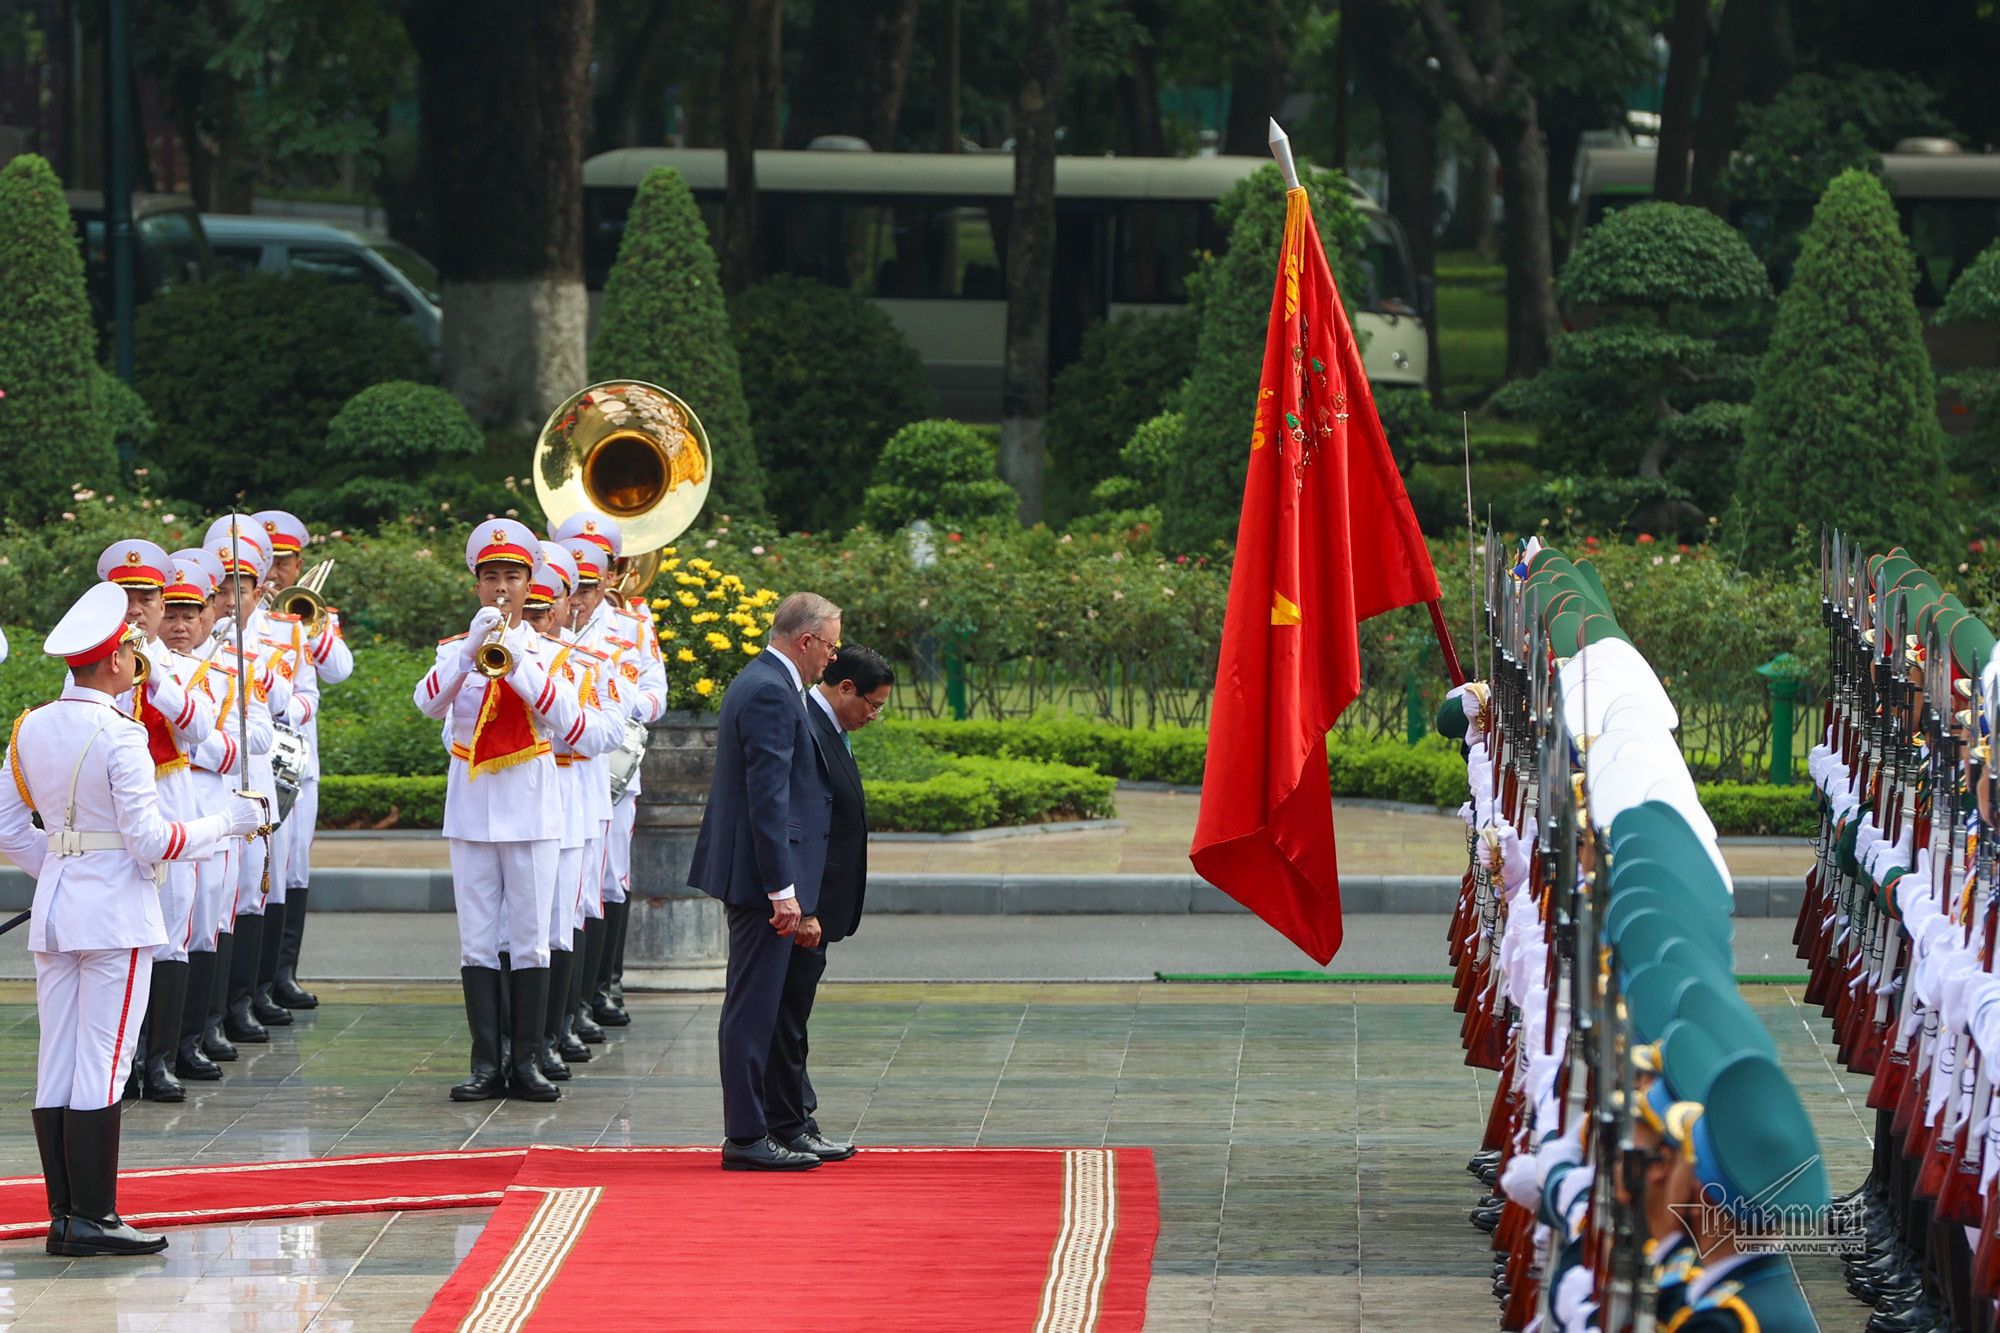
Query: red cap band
[[92, 656]]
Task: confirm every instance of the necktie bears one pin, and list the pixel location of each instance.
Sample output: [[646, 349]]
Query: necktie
[[847, 740]]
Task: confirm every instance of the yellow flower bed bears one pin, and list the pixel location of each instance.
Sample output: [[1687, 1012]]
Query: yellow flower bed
[[696, 604]]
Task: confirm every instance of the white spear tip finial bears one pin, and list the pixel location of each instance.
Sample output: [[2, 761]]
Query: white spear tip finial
[[1281, 148]]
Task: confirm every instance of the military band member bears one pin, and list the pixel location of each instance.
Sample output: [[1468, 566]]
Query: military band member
[[85, 766], [266, 692], [323, 659], [503, 808], [215, 770], [177, 719], [595, 732], [633, 647]]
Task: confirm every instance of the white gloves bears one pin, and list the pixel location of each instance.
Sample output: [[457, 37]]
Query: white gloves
[[482, 629], [245, 815]]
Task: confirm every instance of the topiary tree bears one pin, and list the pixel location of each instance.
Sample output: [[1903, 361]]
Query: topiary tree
[[1975, 299], [1671, 302], [1130, 370], [1231, 296], [57, 419], [1143, 462], [829, 378], [387, 452], [664, 322], [1843, 429], [941, 471], [244, 372]]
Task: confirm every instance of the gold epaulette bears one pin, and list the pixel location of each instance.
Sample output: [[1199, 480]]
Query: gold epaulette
[[586, 649], [453, 639], [280, 615]]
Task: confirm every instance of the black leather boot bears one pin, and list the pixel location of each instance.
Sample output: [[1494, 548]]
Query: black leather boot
[[190, 1062], [530, 1000], [594, 936], [215, 1044], [238, 1022], [614, 953], [482, 1015], [163, 1032], [286, 989], [55, 1172], [267, 1010], [562, 965], [90, 1149]]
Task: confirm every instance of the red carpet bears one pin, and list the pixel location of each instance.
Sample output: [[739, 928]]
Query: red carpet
[[967, 1239], [191, 1195]]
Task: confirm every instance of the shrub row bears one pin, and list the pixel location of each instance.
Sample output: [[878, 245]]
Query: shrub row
[[1761, 810], [977, 792], [1167, 754], [376, 800]]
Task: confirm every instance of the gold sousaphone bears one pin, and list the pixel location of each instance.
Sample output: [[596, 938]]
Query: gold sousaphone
[[632, 451]]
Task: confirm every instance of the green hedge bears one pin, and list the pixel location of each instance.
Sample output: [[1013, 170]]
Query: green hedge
[[947, 803], [365, 800], [975, 792], [1761, 810], [1431, 772], [1167, 754]]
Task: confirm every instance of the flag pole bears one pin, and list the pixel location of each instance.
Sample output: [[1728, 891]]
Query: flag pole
[[1281, 149]]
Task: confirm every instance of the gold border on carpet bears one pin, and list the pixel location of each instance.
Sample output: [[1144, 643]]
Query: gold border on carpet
[[514, 1290], [1073, 1293]]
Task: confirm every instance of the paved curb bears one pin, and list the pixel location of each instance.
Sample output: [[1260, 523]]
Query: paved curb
[[369, 890]]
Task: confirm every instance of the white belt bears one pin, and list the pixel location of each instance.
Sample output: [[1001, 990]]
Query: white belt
[[75, 842]]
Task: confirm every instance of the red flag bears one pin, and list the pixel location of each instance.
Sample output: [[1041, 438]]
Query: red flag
[[1327, 540]]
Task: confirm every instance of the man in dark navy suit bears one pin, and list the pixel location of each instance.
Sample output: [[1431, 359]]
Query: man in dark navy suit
[[762, 851], [850, 695]]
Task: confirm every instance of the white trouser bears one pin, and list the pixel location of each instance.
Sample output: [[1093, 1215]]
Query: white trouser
[[281, 857], [503, 891], [90, 1003], [590, 898], [250, 879], [618, 849], [305, 817], [564, 907], [215, 896], [177, 899]]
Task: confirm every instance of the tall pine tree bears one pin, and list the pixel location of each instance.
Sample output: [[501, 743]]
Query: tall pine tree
[[1843, 428], [665, 323], [56, 420]]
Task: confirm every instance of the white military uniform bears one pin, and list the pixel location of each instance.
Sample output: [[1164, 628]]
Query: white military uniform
[[189, 716], [329, 661], [85, 765], [505, 822], [634, 648]]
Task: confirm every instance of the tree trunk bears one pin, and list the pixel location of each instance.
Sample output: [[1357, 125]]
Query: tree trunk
[[1532, 318], [949, 85], [626, 78], [1687, 37], [1744, 24], [1257, 89], [854, 82], [744, 112], [1410, 104], [503, 97], [1500, 102], [1031, 256], [1143, 132]]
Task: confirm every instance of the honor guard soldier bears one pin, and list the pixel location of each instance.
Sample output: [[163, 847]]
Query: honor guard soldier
[[323, 658], [85, 765], [177, 719], [264, 693], [585, 803], [503, 808]]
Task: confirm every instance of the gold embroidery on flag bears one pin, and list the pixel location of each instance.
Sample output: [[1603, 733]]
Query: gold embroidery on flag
[[1283, 610]]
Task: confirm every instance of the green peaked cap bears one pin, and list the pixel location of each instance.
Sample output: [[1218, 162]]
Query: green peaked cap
[[1756, 1142], [1689, 1058], [1724, 1016]]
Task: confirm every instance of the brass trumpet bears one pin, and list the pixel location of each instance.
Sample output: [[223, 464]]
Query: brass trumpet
[[493, 659], [142, 668]]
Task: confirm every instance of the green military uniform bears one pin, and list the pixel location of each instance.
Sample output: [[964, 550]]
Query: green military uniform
[[1675, 1264]]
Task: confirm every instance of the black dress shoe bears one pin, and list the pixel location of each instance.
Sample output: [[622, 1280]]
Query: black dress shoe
[[215, 1044], [268, 1011], [160, 1085], [823, 1148], [573, 1050], [766, 1154], [87, 1237], [553, 1067], [586, 1028], [609, 1015], [191, 1063]]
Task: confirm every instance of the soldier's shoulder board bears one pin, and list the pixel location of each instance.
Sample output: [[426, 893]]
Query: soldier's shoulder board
[[453, 639]]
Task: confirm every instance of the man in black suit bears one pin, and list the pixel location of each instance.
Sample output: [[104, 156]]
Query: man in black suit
[[850, 695], [762, 850]]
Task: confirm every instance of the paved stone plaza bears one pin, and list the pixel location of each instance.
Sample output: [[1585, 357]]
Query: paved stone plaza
[[1311, 1141]]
